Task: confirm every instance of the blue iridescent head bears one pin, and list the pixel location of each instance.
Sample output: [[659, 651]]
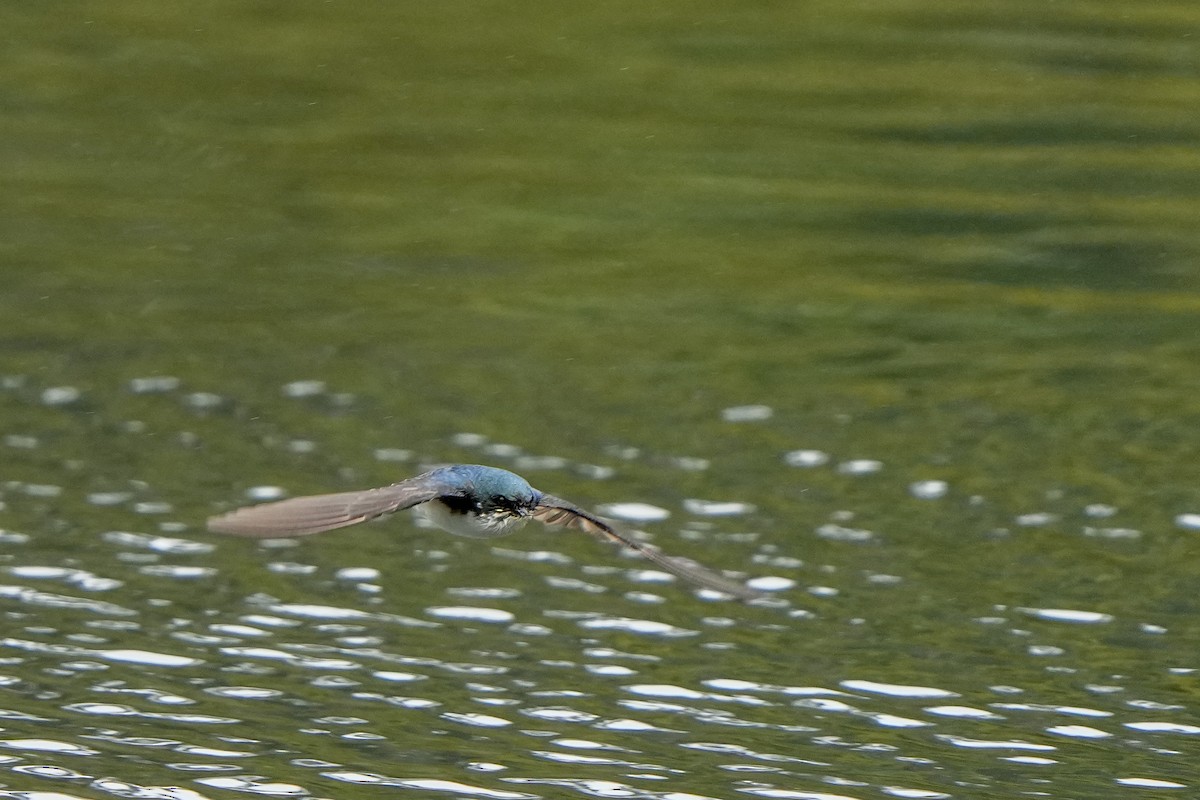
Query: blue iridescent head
[[492, 489]]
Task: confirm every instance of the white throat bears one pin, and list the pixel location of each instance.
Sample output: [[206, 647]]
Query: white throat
[[473, 526]]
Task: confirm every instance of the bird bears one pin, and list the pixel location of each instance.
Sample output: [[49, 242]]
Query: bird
[[471, 500]]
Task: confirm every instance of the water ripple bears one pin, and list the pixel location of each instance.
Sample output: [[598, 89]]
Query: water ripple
[[894, 689], [48, 746], [253, 784], [308, 662], [35, 597], [313, 611], [1067, 615], [668, 690], [992, 744], [332, 680], [158, 544], [477, 720], [491, 615], [118, 710], [633, 512], [145, 657], [631, 625], [148, 658], [426, 784]]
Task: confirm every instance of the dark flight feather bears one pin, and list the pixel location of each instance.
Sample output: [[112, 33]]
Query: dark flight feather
[[556, 512]]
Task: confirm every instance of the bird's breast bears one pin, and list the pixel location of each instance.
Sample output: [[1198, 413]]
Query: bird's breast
[[468, 523]]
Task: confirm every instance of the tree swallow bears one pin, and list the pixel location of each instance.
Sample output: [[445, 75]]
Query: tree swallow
[[463, 499]]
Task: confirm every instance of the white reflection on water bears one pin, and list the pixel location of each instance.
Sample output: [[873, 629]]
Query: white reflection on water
[[1188, 522], [398, 677], [929, 489], [1074, 711], [119, 710], [432, 785], [159, 544], [77, 577], [575, 584], [297, 659], [643, 626], [806, 458], [793, 794], [477, 720], [148, 658], [599, 761], [315, 611], [633, 512], [244, 692], [154, 384], [47, 745], [610, 670], [992, 744], [894, 689], [1164, 727], [768, 583], [587, 744], [1149, 783], [667, 690], [177, 572], [717, 508], [1067, 615], [747, 413], [1078, 731], [61, 395], [144, 657], [255, 785], [860, 466]]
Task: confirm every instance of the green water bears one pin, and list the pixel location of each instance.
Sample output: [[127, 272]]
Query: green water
[[958, 239]]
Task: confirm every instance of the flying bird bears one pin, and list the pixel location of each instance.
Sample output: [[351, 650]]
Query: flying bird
[[464, 499]]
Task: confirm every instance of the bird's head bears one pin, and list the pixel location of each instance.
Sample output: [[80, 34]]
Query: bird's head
[[495, 491]]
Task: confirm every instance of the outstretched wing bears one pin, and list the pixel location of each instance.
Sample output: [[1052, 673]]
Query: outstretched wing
[[555, 511], [301, 516]]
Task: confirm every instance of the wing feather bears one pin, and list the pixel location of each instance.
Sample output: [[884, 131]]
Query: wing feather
[[556, 512], [302, 516]]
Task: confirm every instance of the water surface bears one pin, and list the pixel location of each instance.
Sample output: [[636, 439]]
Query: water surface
[[890, 309]]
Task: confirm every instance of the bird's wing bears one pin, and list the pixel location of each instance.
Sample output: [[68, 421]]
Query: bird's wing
[[554, 511], [301, 516]]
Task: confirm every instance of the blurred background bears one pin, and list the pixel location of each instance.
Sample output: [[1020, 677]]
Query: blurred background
[[890, 307]]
